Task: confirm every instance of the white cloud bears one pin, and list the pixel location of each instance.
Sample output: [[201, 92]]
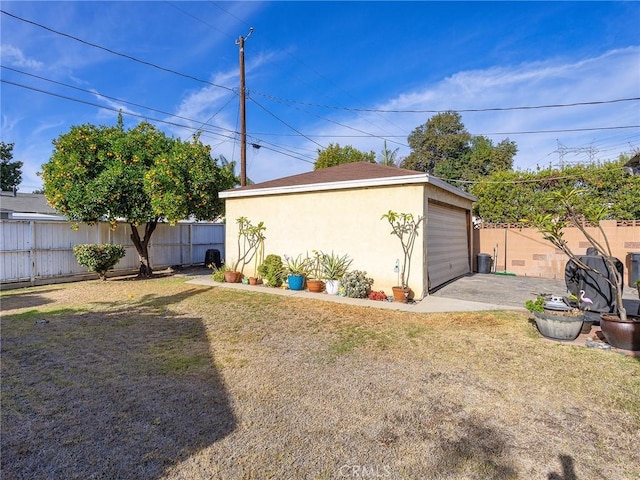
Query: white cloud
[[613, 75], [13, 56]]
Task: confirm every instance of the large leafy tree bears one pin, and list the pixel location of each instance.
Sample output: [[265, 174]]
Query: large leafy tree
[[442, 137], [139, 175], [334, 155], [443, 147], [515, 196], [10, 172]]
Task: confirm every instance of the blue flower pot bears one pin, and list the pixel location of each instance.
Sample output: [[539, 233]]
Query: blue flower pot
[[296, 282]]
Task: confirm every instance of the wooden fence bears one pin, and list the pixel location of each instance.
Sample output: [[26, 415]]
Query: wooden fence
[[524, 252], [36, 252]]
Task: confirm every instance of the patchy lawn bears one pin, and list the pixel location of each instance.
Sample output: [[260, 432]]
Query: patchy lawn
[[159, 379]]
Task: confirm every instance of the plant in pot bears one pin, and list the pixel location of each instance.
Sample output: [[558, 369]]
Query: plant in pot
[[405, 227], [272, 270], [555, 319], [333, 268], [314, 277], [250, 241], [296, 270], [356, 284], [573, 207], [218, 274]]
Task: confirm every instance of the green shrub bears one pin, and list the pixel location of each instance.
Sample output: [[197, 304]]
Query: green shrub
[[272, 270], [218, 273], [356, 284], [99, 257]]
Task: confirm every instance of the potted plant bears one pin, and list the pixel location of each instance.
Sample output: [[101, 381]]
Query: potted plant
[[250, 240], [356, 284], [405, 227], [333, 268], [572, 207], [314, 277], [272, 270], [555, 319], [638, 287], [296, 270]]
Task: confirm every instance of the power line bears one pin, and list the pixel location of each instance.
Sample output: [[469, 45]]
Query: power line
[[120, 100], [113, 109], [123, 55], [460, 110], [282, 151], [285, 123]]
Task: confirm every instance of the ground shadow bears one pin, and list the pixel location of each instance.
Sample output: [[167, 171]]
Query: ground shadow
[[24, 298], [124, 395], [478, 448], [568, 470]]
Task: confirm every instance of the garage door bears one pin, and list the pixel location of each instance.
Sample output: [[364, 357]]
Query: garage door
[[447, 244]]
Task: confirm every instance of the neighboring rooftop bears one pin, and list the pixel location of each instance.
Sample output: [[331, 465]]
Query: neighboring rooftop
[[24, 203]]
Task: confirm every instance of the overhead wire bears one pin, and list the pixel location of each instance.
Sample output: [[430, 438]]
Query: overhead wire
[[459, 110], [123, 55], [120, 100], [283, 100]]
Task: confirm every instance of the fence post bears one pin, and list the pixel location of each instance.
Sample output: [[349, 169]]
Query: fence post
[[32, 252]]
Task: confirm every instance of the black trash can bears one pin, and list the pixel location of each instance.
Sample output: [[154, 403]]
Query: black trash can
[[634, 268], [484, 263], [212, 257]]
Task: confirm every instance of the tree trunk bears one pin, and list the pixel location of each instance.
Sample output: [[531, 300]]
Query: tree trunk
[[142, 247]]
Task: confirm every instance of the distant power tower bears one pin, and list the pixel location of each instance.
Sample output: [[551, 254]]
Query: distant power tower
[[563, 150]]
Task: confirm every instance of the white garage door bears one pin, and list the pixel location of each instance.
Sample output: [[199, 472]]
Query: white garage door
[[447, 244]]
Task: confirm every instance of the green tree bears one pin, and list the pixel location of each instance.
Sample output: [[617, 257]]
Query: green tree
[[388, 157], [442, 137], [443, 147], [10, 172], [336, 155], [515, 196], [139, 175]]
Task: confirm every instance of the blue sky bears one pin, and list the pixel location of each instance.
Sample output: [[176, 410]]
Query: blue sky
[[353, 73]]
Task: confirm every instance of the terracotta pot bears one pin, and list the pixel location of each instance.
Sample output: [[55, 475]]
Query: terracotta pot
[[619, 334], [232, 277], [400, 294], [315, 286], [253, 280], [558, 327]]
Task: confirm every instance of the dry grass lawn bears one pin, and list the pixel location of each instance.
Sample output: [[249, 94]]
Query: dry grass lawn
[[160, 379]]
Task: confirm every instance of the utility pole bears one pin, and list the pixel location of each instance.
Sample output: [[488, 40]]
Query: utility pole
[[243, 116]]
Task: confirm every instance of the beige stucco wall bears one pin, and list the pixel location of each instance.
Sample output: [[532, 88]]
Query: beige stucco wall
[[343, 221], [529, 254]]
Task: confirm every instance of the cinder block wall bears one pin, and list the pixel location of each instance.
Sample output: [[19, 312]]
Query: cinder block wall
[[525, 252]]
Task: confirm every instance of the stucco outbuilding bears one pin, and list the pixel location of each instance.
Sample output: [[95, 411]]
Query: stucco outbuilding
[[339, 209]]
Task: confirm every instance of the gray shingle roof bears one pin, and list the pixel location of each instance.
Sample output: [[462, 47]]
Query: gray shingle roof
[[25, 203]]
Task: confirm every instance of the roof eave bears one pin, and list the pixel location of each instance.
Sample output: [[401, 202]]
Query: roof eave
[[349, 184]]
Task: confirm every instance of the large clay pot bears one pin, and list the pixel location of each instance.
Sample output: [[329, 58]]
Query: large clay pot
[[619, 334], [315, 286], [232, 277], [401, 295], [558, 327]]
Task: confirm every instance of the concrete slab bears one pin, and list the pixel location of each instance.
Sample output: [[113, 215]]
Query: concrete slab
[[430, 304]]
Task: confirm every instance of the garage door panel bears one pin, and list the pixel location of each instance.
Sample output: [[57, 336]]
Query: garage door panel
[[447, 244]]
